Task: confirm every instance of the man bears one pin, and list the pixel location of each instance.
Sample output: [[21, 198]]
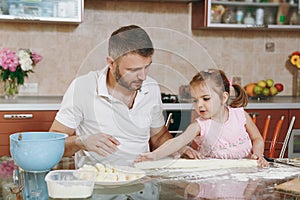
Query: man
[[114, 114]]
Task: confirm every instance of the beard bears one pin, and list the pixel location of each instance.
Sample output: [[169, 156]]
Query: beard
[[128, 85]]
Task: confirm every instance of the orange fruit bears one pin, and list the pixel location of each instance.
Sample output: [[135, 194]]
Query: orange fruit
[[250, 89]]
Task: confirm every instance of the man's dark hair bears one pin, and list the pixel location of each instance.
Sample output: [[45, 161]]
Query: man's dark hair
[[130, 39]]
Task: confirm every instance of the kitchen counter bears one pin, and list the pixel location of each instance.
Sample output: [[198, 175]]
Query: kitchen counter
[[53, 103]]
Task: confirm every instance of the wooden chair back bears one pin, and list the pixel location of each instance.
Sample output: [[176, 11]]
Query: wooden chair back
[[275, 137]]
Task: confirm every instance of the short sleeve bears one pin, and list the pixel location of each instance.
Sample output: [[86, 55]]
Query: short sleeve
[[69, 113]]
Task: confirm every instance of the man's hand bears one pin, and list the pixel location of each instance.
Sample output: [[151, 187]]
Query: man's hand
[[101, 143]]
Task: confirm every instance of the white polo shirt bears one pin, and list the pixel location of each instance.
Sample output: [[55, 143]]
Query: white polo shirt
[[89, 108]]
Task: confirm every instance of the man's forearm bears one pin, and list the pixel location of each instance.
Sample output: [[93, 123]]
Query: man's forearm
[[160, 138], [72, 145]]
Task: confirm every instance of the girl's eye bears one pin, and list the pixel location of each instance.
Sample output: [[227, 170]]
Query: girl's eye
[[206, 98], [194, 101]]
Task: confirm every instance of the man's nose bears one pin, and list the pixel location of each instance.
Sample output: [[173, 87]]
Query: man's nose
[[142, 74]]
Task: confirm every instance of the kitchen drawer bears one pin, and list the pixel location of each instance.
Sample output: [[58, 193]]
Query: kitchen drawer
[[7, 128], [26, 116], [22, 121]]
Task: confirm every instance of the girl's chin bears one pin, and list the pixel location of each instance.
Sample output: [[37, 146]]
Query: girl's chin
[[204, 115]]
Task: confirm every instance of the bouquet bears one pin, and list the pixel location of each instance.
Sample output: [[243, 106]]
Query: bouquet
[[15, 66], [7, 166]]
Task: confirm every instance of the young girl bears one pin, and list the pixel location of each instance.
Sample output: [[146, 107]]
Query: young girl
[[221, 131]]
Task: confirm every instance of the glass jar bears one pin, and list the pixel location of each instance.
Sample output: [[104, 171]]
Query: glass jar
[[249, 20]]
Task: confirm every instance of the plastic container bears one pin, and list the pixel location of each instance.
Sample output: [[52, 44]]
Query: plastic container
[[70, 183]]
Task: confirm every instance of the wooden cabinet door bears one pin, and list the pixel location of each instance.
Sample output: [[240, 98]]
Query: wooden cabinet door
[[275, 116], [22, 121]]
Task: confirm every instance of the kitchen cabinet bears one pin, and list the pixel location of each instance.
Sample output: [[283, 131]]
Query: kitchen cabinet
[[261, 116], [21, 121], [266, 14], [58, 11]]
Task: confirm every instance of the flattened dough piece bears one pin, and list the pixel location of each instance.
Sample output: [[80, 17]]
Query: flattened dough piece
[[204, 164]]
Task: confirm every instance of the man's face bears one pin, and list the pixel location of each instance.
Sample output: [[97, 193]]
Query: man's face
[[131, 70]]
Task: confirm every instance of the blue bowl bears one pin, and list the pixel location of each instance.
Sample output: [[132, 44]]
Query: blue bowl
[[37, 151]]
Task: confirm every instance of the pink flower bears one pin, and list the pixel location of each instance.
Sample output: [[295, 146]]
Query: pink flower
[[8, 60], [7, 168], [36, 57], [15, 66]]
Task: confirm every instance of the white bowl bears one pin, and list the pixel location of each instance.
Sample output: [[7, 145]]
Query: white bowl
[[70, 183]]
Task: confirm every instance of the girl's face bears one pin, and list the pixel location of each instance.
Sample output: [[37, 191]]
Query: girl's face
[[207, 103]]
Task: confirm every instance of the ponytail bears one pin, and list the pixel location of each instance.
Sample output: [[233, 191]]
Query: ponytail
[[241, 97]]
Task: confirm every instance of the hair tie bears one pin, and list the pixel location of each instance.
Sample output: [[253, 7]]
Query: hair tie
[[230, 83]]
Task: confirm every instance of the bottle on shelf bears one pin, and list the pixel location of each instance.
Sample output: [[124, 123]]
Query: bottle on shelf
[[239, 16], [259, 16], [249, 20], [229, 16]]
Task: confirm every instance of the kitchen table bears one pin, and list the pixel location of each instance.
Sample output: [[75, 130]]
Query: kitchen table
[[231, 183], [225, 183]]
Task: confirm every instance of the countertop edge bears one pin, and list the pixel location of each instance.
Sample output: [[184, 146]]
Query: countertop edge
[[54, 102]]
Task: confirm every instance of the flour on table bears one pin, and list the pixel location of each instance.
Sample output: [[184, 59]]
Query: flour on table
[[205, 164]]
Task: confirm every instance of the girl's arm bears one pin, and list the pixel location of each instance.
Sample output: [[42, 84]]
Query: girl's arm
[[172, 145], [257, 141]]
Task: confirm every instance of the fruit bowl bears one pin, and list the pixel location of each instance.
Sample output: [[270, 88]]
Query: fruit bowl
[[263, 89]]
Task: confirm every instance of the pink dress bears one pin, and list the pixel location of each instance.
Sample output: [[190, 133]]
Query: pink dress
[[227, 140]]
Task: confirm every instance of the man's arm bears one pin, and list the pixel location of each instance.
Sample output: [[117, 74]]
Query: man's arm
[[158, 137], [101, 143], [71, 144]]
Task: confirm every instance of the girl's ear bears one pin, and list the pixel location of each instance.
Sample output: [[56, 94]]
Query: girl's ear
[[225, 97]]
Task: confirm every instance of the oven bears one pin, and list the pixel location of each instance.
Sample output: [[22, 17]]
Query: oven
[[176, 116], [294, 144]]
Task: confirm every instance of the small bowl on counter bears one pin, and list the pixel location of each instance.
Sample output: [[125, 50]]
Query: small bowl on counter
[[71, 184]]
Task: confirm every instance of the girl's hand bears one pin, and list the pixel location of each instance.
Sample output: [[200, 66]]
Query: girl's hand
[[261, 161], [191, 153], [145, 157]]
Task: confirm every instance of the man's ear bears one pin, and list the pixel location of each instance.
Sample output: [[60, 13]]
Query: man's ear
[[110, 61]]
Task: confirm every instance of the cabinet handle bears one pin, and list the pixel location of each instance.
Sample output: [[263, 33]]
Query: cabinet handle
[[18, 116]]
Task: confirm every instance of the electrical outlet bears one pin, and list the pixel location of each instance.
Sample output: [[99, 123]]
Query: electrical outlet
[[270, 47], [29, 88]]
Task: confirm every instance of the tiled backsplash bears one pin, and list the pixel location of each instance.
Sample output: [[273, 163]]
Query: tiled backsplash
[[71, 50]]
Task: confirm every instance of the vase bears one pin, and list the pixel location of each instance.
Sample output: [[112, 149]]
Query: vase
[[296, 82], [11, 89]]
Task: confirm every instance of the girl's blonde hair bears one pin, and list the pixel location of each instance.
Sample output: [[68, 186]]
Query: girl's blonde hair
[[222, 84]]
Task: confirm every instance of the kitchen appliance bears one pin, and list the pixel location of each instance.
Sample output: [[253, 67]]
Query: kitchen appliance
[[169, 98], [36, 153], [177, 119], [294, 144]]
